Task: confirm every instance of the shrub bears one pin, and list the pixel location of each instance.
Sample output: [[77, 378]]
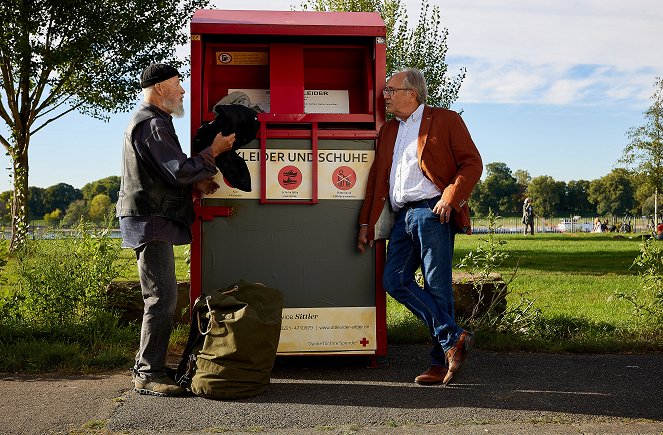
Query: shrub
[[63, 280], [488, 313], [647, 301]]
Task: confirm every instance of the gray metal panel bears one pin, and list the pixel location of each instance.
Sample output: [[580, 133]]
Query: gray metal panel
[[306, 251]]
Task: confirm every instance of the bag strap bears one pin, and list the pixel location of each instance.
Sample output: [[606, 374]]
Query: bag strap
[[186, 367]]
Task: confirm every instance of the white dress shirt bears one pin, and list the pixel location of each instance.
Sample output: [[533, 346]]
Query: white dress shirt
[[407, 183]]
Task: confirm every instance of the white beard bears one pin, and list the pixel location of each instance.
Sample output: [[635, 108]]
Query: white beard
[[176, 108]]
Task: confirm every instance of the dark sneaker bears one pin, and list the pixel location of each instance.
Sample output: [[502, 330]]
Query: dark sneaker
[[160, 386]]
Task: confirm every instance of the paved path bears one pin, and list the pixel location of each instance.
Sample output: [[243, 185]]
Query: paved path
[[496, 393]]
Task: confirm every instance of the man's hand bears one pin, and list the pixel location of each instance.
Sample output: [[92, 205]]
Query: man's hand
[[222, 144], [362, 239], [207, 186], [444, 209]]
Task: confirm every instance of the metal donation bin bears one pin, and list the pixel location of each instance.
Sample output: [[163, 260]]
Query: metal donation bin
[[317, 78]]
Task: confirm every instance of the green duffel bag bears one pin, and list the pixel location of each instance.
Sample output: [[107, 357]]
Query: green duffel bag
[[232, 342]]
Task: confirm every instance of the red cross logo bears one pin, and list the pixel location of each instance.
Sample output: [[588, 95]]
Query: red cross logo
[[363, 342]]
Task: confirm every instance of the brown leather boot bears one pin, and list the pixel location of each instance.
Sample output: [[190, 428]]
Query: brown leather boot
[[457, 354], [434, 375]]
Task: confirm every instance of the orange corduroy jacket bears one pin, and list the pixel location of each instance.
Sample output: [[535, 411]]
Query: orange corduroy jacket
[[447, 156]]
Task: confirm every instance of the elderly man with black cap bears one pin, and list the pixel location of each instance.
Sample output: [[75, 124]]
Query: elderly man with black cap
[[155, 209]]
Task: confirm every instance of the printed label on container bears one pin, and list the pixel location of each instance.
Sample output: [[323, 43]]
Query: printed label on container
[[339, 329], [342, 174]]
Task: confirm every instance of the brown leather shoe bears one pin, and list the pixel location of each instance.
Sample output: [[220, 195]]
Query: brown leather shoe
[[434, 375], [457, 354]]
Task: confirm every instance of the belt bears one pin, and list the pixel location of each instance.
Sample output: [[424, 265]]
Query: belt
[[423, 203]]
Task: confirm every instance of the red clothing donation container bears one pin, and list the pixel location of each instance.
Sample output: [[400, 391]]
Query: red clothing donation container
[[318, 77]]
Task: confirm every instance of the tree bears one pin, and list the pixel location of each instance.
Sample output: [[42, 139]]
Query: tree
[[109, 186], [5, 206], [36, 207], [76, 55], [423, 47], [577, 197], [76, 211], [53, 218], [612, 194], [59, 196], [644, 153], [499, 190], [522, 179], [99, 207], [546, 194]]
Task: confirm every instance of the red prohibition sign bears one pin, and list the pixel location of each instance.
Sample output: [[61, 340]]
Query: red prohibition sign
[[344, 178], [290, 177]]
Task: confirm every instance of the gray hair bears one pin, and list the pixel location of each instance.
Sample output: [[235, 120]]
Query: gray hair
[[415, 79]]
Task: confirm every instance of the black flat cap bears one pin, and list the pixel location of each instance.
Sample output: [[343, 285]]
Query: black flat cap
[[155, 73]]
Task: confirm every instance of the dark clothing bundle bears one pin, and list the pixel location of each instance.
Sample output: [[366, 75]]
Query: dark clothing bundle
[[230, 118]]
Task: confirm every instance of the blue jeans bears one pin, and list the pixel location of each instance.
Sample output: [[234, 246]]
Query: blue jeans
[[156, 270], [418, 239]]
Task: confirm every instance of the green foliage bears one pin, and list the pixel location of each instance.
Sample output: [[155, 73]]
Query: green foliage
[[60, 196], [54, 217], [54, 315], [613, 194], [109, 186], [423, 46], [63, 280], [36, 208], [576, 197], [76, 55], [76, 211], [546, 194], [89, 344], [644, 152], [499, 191], [489, 312], [647, 301], [98, 208]]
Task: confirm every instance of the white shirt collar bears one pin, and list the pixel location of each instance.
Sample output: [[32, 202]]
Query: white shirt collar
[[416, 115]]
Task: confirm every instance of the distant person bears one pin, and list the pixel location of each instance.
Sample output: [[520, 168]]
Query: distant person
[[659, 231], [155, 208], [425, 168], [528, 216], [598, 226]]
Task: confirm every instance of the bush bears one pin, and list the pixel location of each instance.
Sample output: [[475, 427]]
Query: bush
[[63, 280], [488, 313], [55, 316], [647, 301]]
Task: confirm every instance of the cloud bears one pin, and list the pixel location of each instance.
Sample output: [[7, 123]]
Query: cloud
[[519, 82], [584, 52], [554, 52]]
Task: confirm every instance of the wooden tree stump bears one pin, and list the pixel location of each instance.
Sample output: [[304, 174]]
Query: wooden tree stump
[[469, 293]]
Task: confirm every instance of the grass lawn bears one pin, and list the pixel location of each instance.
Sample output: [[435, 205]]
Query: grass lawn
[[572, 280], [573, 275], [570, 277]]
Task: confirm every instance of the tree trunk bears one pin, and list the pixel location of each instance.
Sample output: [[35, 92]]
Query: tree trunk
[[20, 200], [656, 210]]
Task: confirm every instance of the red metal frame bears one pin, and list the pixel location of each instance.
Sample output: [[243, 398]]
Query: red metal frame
[[208, 25]]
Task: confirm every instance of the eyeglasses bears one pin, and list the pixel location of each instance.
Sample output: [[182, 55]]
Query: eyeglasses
[[389, 92]]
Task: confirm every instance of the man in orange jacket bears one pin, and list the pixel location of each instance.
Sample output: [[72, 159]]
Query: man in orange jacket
[[425, 168]]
